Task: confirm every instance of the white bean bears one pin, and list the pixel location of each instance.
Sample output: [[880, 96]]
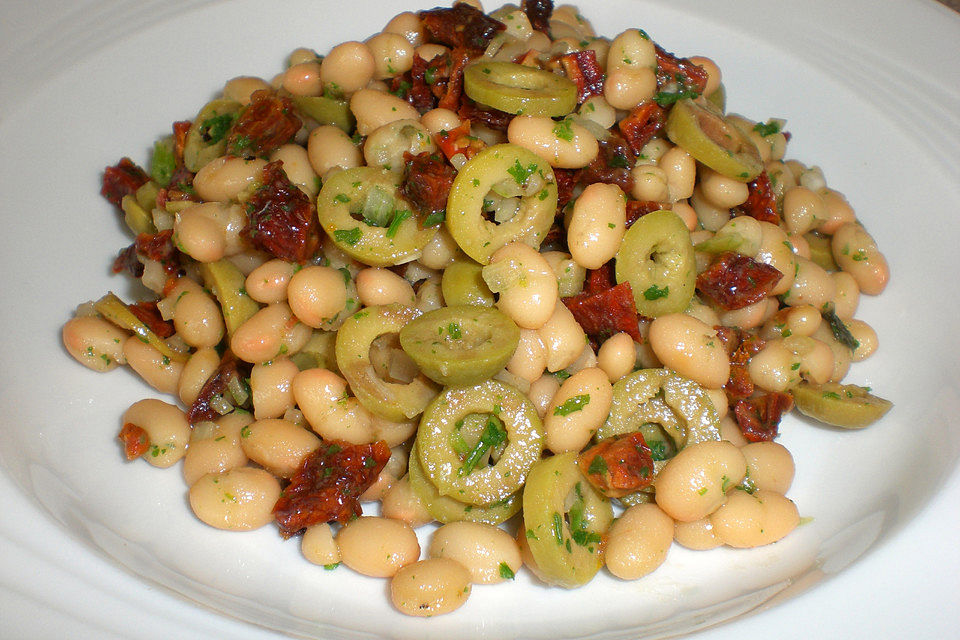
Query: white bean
[[638, 541], [236, 500], [430, 587], [487, 552], [577, 410], [376, 546], [691, 348]]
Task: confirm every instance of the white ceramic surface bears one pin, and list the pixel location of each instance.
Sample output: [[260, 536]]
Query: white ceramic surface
[[91, 547]]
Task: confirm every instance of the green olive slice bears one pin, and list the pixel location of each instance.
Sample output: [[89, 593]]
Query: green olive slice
[[564, 520], [841, 405], [462, 283], [657, 258], [207, 137], [394, 237], [479, 237], [519, 89], [395, 401], [671, 411], [703, 132], [458, 471], [445, 509], [460, 345], [326, 110]]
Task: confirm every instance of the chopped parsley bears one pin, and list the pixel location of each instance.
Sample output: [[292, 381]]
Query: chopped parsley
[[435, 218], [768, 128], [396, 221], [654, 292], [598, 466], [666, 99], [521, 173], [839, 329], [563, 130], [492, 437], [506, 572], [571, 405], [454, 330], [350, 236]]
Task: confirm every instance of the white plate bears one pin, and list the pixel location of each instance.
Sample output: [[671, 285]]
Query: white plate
[[91, 547]]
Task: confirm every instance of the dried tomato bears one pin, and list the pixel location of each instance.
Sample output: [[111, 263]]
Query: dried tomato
[[460, 26], [147, 313], [283, 219], [566, 180], [611, 165], [599, 280], [761, 203], [459, 140], [636, 209], [264, 125], [759, 417], [735, 281], [122, 179], [159, 246], [180, 130], [135, 440], [538, 13], [216, 385], [642, 123], [670, 69], [493, 118], [618, 465], [584, 70], [741, 347], [606, 312], [427, 183], [453, 91], [126, 261], [328, 484]]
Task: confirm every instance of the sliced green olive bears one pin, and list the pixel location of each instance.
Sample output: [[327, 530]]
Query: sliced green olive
[[820, 252], [228, 284], [207, 136], [326, 110], [519, 89], [703, 132], [116, 311], [462, 283], [460, 472], [394, 401], [671, 411], [363, 213], [318, 353], [841, 405], [461, 345], [479, 237], [445, 509], [658, 260], [564, 520]]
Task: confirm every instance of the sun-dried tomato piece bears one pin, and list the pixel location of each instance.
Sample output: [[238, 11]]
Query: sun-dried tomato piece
[[618, 465], [584, 70], [636, 209], [283, 219], [611, 165], [180, 130], [217, 385], [740, 346], [566, 180], [600, 279], [159, 246], [735, 281], [135, 440], [761, 203], [604, 313], [670, 69], [453, 91], [759, 417], [328, 484], [642, 123], [122, 179], [147, 313], [538, 13], [460, 26], [493, 118], [264, 125], [459, 140], [126, 261], [428, 182]]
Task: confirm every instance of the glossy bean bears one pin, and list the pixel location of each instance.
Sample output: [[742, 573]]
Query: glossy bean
[[695, 482], [376, 546], [240, 499], [577, 410], [486, 551], [567, 149], [638, 541], [751, 520], [597, 225], [430, 587], [691, 348], [94, 342]]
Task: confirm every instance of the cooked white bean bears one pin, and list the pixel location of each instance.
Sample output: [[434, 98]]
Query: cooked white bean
[[695, 481], [638, 541], [236, 500], [681, 171], [577, 410], [812, 285], [210, 231], [377, 547], [270, 385], [273, 331], [856, 252], [166, 427], [697, 535], [564, 147], [408, 25], [328, 147], [530, 358], [714, 77], [769, 466], [691, 348], [268, 282], [401, 503], [94, 342], [730, 431], [775, 250], [296, 164], [839, 212], [373, 109], [317, 294], [542, 391], [222, 179], [242, 87], [721, 191], [563, 337], [526, 284], [303, 78], [598, 110], [718, 397], [202, 364], [625, 88], [214, 448], [322, 397], [395, 468], [378, 286], [430, 587], [597, 225], [752, 520], [156, 369], [801, 320], [616, 356], [277, 445], [437, 120], [486, 551], [319, 546], [196, 315], [842, 356], [750, 316], [348, 67], [775, 367], [632, 49], [392, 54], [803, 210], [649, 183], [866, 337], [847, 297]]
